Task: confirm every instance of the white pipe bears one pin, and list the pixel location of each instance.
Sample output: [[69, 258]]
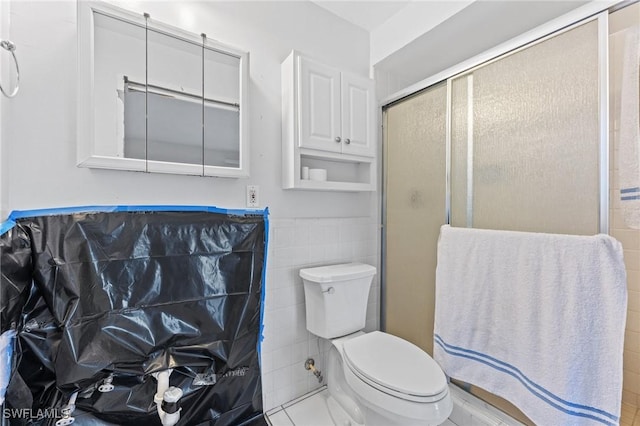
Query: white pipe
[[171, 395], [67, 410], [167, 394], [163, 384]]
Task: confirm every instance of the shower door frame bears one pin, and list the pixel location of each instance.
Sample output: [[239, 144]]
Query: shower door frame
[[583, 15], [595, 11]]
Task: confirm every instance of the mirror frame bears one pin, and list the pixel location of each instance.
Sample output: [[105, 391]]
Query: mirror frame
[[86, 155]]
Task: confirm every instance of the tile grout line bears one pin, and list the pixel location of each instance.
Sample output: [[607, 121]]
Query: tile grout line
[[303, 397], [289, 417]]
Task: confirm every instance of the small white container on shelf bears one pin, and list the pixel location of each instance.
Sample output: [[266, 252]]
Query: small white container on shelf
[[318, 174]]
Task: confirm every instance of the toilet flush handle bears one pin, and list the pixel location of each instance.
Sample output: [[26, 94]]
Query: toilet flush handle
[[330, 290]]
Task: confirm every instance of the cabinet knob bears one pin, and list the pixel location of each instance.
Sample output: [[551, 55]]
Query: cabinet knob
[[347, 141], [338, 139]]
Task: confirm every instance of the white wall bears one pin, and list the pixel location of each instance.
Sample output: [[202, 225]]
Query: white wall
[[5, 63], [409, 23], [308, 228], [40, 138], [3, 17]]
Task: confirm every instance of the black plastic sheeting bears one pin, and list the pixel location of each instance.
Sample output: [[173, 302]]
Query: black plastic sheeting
[[128, 294]]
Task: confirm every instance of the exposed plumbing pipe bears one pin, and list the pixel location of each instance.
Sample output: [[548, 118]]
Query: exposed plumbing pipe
[[163, 384], [310, 365], [167, 398], [170, 407], [67, 410], [107, 384]]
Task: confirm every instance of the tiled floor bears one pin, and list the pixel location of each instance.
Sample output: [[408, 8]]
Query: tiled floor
[[630, 415], [310, 410]]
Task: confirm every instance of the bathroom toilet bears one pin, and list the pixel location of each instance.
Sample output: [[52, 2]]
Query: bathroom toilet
[[375, 378]]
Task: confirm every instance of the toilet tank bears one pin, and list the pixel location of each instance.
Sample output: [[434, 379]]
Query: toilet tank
[[336, 298]]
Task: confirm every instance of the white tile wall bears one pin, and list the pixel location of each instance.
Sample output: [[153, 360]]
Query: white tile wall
[[624, 232], [295, 244]]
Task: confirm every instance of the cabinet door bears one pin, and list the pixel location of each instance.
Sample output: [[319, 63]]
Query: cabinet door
[[319, 106], [358, 129]]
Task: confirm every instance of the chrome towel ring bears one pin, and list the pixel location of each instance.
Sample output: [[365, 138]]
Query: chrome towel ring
[[7, 45]]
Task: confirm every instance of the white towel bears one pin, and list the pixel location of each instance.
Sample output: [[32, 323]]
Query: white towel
[[629, 132], [537, 319]]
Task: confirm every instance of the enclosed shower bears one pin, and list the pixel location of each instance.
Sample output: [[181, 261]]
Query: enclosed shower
[[529, 140]]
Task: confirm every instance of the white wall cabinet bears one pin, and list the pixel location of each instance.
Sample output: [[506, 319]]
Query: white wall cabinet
[[328, 122]]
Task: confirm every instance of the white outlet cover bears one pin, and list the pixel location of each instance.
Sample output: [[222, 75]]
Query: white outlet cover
[[253, 199]]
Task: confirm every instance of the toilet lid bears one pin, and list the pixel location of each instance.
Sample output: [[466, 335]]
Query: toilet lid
[[394, 363]]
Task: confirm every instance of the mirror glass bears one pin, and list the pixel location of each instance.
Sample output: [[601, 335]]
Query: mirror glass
[[163, 100], [174, 100], [120, 51], [221, 112]]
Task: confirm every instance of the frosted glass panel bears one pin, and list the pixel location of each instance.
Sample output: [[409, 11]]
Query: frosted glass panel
[[525, 138], [415, 188]]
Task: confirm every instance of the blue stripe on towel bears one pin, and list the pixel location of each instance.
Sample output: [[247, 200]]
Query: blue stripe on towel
[[528, 383], [628, 190], [634, 194]]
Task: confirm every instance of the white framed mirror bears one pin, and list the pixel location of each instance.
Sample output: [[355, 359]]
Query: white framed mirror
[[155, 98]]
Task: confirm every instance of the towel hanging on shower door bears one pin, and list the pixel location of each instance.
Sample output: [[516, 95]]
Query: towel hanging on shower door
[[537, 319]]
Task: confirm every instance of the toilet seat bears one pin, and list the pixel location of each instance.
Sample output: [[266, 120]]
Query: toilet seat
[[395, 366]]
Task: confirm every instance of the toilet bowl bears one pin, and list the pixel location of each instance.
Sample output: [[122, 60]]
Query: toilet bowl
[[398, 382], [376, 378]]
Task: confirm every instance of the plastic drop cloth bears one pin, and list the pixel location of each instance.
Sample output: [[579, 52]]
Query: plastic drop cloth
[[123, 294], [6, 355]]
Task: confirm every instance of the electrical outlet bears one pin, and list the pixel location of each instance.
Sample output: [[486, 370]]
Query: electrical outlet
[[252, 196]]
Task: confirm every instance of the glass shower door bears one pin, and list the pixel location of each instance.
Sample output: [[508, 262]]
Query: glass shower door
[[415, 195], [525, 153], [525, 139]]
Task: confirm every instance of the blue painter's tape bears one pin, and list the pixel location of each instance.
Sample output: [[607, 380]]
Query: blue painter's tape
[[6, 226], [21, 214], [264, 284], [628, 190]]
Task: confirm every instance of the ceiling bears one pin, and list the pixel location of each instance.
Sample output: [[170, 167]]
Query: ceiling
[[479, 27], [363, 13]]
